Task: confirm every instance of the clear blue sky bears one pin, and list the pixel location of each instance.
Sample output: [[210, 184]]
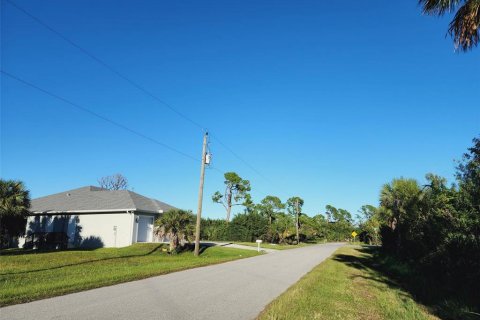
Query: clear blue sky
[[328, 100]]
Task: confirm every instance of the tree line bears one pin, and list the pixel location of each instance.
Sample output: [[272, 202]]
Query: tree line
[[270, 220], [434, 227]]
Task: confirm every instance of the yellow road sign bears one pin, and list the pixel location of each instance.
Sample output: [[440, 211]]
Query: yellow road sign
[[354, 234]]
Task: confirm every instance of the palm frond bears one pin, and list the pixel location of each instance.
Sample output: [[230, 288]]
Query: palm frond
[[464, 27], [439, 7], [14, 198]]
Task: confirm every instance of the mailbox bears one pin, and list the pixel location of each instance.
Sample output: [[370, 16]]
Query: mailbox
[[258, 244]]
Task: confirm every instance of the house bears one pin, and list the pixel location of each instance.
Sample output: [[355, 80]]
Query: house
[[92, 217]]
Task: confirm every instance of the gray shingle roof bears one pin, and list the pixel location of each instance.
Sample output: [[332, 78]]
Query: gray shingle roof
[[95, 198]]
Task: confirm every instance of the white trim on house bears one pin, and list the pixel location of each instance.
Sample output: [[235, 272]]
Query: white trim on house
[[80, 211], [95, 211]]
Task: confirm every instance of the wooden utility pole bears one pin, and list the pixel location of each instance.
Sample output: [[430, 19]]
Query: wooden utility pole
[[200, 195], [297, 214]]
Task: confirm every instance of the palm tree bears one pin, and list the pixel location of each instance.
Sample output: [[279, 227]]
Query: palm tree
[[399, 203], [464, 28], [176, 224], [14, 203]]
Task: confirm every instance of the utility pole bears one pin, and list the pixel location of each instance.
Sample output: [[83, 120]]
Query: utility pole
[[200, 194], [296, 210]]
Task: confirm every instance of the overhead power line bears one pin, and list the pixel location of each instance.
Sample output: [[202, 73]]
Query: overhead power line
[[106, 65], [240, 158], [130, 81], [93, 113]]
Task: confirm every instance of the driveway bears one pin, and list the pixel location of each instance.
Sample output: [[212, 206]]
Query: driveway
[[234, 290], [240, 246]]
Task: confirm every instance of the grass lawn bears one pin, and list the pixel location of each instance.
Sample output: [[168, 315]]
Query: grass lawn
[[344, 288], [264, 245], [27, 276]]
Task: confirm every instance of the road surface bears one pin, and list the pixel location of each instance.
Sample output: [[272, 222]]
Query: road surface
[[234, 290]]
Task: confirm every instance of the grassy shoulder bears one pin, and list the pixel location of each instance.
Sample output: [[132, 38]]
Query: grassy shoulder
[[27, 276], [264, 245], [342, 287]]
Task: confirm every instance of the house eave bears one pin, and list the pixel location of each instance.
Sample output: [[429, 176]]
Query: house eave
[[46, 212], [82, 211], [149, 211]]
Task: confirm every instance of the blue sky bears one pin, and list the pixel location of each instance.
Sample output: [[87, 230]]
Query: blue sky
[[328, 101]]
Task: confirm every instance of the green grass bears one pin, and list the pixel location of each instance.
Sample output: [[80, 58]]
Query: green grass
[[342, 287], [27, 276], [448, 300], [274, 246]]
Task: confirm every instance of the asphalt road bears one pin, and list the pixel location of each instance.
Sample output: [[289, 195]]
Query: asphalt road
[[235, 290]]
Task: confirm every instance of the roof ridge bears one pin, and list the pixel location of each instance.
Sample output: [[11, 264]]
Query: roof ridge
[[155, 202], [138, 194]]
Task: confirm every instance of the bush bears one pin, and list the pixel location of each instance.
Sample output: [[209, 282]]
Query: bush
[[214, 230], [247, 227], [436, 228]]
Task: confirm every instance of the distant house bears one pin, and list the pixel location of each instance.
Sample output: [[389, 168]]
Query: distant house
[[92, 217]]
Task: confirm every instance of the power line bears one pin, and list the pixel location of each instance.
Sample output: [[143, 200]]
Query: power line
[[93, 113], [106, 65], [239, 158], [131, 82], [112, 122]]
